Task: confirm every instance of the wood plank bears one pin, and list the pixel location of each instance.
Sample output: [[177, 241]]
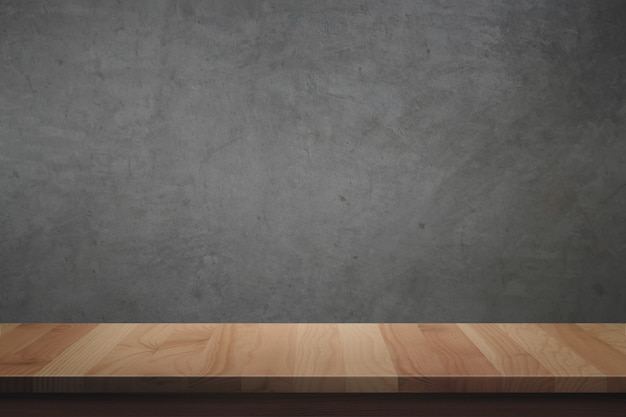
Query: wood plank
[[504, 354], [367, 359], [221, 359], [410, 350], [5, 327], [523, 372], [188, 349], [612, 334], [135, 353], [160, 350], [573, 384], [313, 357], [21, 336], [33, 357], [319, 362], [83, 355], [602, 356], [267, 357], [272, 351], [559, 359], [456, 351], [418, 366]]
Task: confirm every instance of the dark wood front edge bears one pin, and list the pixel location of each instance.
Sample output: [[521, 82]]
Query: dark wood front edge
[[271, 404]]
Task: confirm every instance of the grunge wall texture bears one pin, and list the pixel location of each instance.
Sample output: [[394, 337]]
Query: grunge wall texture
[[313, 161]]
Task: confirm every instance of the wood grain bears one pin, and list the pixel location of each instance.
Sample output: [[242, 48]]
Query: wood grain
[[33, 357], [5, 327], [83, 355], [367, 359], [312, 357]]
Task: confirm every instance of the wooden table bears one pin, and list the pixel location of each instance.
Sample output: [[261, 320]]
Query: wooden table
[[312, 369]]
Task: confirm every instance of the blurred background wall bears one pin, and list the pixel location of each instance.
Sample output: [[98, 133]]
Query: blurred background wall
[[313, 161]]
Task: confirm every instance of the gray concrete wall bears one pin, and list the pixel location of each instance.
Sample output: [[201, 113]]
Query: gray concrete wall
[[312, 161]]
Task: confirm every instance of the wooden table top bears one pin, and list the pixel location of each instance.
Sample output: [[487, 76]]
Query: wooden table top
[[305, 357]]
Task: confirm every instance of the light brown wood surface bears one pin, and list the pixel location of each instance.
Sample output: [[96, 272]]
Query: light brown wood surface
[[305, 357]]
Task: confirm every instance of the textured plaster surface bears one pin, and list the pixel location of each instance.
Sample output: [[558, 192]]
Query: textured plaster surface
[[312, 161]]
